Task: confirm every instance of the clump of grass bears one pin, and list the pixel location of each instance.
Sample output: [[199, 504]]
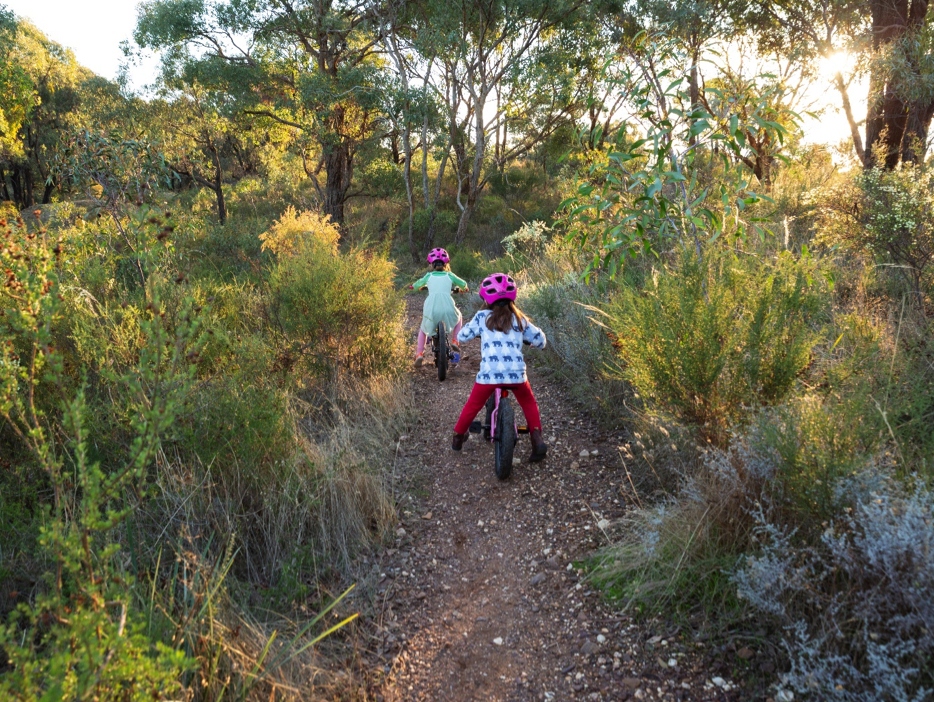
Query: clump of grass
[[579, 352]]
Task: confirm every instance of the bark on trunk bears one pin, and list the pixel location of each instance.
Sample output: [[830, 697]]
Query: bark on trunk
[[694, 92], [763, 170], [338, 166], [885, 115], [18, 196], [851, 120], [466, 214], [29, 199], [914, 142], [3, 186], [474, 183], [219, 194]]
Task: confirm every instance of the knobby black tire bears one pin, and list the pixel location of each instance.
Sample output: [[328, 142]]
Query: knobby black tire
[[504, 443], [442, 353]]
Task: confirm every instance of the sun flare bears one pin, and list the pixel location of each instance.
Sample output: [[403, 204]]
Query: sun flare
[[837, 62]]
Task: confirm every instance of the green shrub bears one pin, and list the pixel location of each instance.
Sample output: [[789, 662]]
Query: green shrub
[[707, 341], [579, 352], [473, 266], [335, 315], [81, 636]]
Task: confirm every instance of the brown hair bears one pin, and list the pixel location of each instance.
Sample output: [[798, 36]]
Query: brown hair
[[445, 267], [501, 316]]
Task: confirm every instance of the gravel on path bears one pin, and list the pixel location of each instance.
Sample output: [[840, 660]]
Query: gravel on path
[[482, 597]]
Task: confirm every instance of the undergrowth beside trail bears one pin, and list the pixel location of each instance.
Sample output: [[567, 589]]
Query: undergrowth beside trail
[[196, 449]]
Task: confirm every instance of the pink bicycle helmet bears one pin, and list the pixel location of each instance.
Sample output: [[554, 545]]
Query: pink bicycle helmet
[[498, 286], [438, 254]]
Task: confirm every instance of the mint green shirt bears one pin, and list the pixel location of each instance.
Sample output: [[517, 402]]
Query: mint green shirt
[[439, 305]]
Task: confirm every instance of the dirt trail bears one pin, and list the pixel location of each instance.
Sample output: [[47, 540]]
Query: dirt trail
[[480, 599]]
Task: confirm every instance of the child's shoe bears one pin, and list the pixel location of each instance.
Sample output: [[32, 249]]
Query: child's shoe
[[458, 443], [461, 356], [419, 360], [539, 447]]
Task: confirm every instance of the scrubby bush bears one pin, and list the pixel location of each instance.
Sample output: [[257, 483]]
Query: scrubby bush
[[335, 315], [473, 266], [676, 555], [707, 340], [256, 427], [887, 213], [82, 636], [528, 240], [579, 351], [297, 232], [856, 603]]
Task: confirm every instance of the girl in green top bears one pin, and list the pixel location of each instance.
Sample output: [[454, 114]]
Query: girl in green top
[[439, 305]]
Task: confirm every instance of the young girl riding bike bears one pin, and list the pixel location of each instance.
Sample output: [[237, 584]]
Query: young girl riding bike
[[439, 305], [502, 329]]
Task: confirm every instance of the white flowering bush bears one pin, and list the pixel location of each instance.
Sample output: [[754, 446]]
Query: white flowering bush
[[889, 214], [529, 239]]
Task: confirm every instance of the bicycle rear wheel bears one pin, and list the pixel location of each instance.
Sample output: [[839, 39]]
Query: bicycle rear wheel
[[442, 353], [504, 440]]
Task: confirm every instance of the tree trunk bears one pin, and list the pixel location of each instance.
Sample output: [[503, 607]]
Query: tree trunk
[[47, 193], [914, 142], [851, 120], [394, 148], [30, 199], [693, 91], [219, 193], [338, 170], [4, 191], [918, 119], [338, 166], [460, 155], [885, 115], [18, 196], [763, 170], [466, 214], [474, 183]]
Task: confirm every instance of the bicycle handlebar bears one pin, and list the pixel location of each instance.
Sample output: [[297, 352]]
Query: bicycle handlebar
[[453, 290]]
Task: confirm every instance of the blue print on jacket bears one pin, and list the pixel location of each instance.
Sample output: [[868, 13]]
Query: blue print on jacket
[[498, 366]]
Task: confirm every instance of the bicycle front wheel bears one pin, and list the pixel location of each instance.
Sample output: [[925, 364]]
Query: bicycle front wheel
[[442, 353], [504, 440]]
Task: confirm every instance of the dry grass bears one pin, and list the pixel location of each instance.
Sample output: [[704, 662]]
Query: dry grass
[[331, 497], [244, 548]]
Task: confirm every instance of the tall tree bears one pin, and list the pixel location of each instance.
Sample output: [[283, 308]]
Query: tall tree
[[17, 93], [504, 74], [307, 64], [41, 84], [895, 38]]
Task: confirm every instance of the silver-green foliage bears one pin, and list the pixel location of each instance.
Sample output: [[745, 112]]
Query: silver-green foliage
[[856, 605]]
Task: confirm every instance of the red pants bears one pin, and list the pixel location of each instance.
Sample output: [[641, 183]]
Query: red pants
[[481, 393]]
